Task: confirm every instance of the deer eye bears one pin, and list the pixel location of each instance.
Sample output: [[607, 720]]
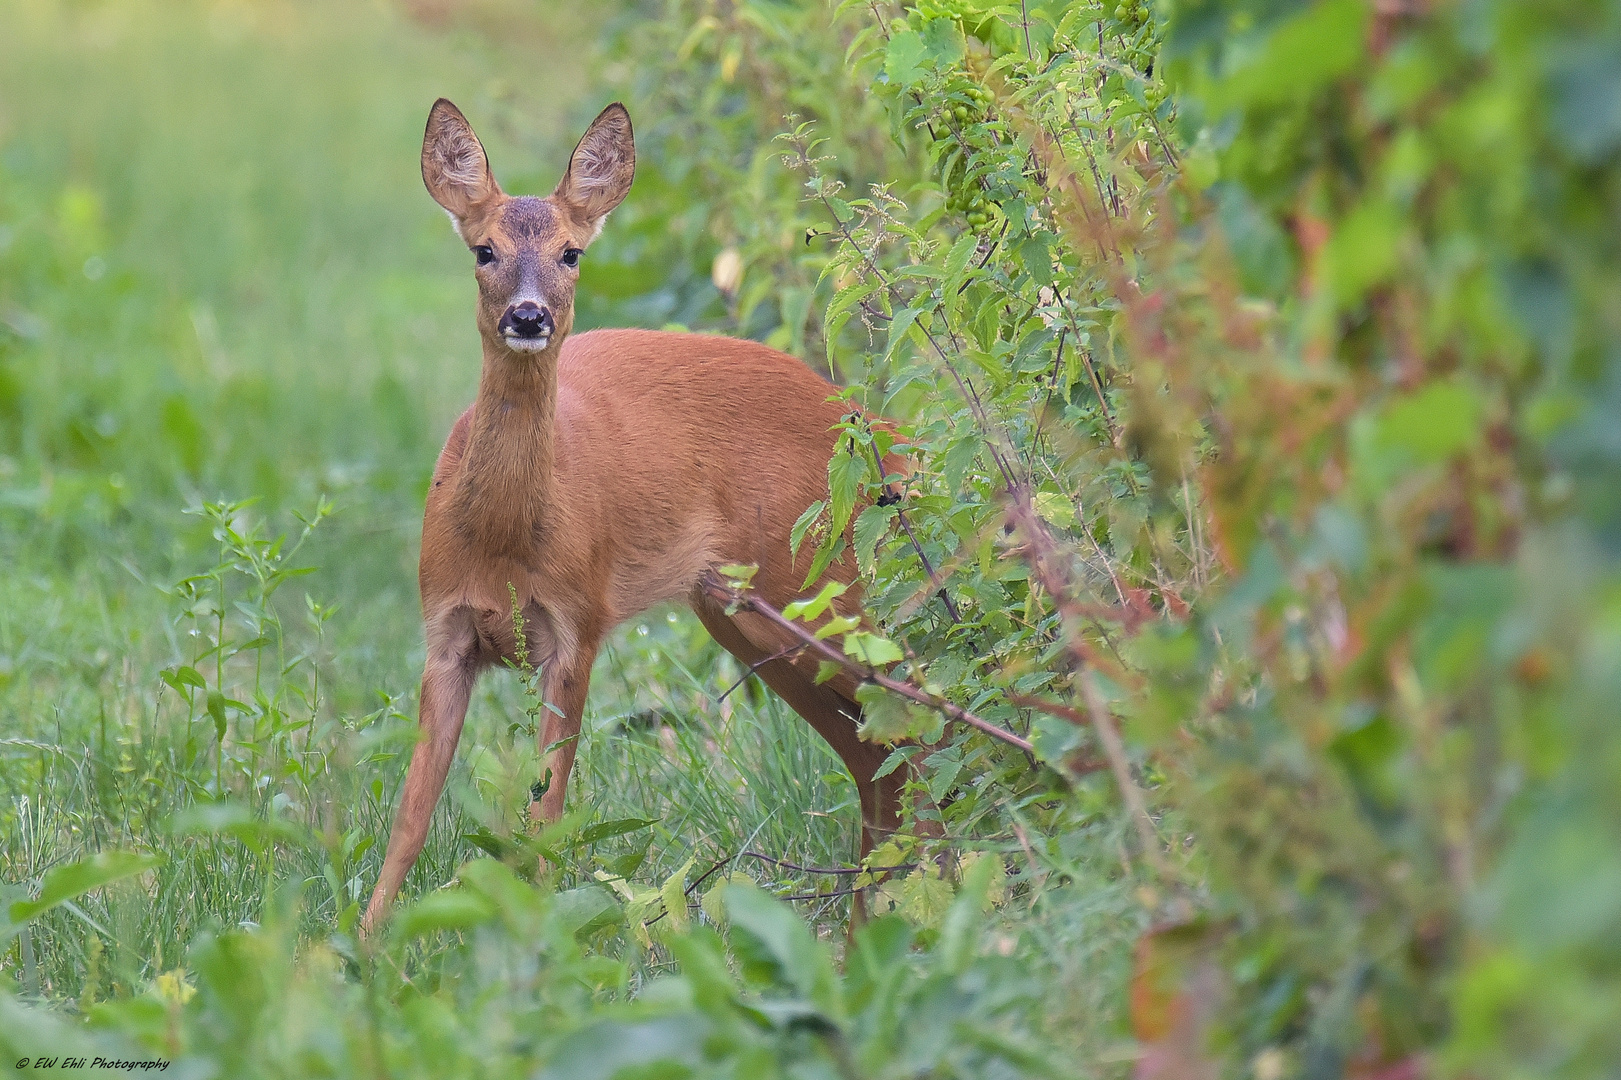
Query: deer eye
[[571, 257], [484, 253]]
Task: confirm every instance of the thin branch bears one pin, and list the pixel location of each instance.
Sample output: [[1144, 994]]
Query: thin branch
[[1039, 547], [826, 869], [705, 876], [1115, 750], [741, 600], [852, 890], [928, 567], [756, 666]]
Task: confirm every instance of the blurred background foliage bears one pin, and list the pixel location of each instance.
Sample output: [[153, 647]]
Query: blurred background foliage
[[1257, 362]]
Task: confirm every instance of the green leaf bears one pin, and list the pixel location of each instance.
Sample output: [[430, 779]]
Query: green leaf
[[902, 322], [1036, 254], [830, 550], [605, 830], [75, 879], [942, 42], [1054, 739], [812, 608], [886, 717], [845, 472], [874, 650], [585, 910], [797, 535], [216, 709], [775, 943], [445, 910], [660, 1047], [957, 259], [1440, 420], [492, 844], [673, 893], [1363, 250], [849, 296], [184, 675], [738, 573], [239, 822], [903, 59], [871, 525], [958, 459], [1303, 54], [839, 624], [898, 757], [1055, 509]]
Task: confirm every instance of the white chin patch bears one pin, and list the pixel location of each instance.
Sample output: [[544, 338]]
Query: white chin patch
[[527, 344]]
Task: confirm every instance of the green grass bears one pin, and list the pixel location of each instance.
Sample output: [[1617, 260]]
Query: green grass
[[220, 276], [220, 279]]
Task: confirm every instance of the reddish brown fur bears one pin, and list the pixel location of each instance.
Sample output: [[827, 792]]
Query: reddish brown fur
[[599, 475]]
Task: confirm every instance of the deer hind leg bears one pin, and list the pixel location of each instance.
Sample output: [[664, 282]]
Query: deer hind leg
[[567, 682], [834, 716]]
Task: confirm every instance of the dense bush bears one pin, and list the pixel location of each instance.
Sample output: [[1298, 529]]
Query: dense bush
[[1255, 363]]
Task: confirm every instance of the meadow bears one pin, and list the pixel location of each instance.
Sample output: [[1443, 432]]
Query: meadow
[[231, 288], [1256, 365]]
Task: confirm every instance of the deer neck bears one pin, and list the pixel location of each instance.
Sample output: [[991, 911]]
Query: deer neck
[[506, 484]]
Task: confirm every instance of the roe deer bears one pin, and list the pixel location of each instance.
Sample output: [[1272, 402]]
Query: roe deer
[[599, 475]]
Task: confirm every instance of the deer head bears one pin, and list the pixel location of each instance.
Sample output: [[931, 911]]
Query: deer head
[[526, 249]]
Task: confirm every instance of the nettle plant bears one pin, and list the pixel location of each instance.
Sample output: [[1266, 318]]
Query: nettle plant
[[992, 339], [244, 677]]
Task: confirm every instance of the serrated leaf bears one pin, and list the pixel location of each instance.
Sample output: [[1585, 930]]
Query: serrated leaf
[[957, 259], [1055, 509], [870, 527], [797, 535], [831, 549], [897, 757], [673, 893], [942, 41], [845, 472], [903, 59], [848, 297], [898, 326]]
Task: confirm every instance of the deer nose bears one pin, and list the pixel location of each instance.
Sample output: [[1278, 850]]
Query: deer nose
[[526, 320]]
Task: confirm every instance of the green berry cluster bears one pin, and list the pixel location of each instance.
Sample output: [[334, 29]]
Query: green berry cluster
[[970, 101], [966, 103], [1131, 15]]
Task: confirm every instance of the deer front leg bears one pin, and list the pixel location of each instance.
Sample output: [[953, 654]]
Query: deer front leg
[[567, 681], [447, 685]]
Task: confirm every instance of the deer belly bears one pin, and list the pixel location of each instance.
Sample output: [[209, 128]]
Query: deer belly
[[647, 575]]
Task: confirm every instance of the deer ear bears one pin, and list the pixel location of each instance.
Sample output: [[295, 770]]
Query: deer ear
[[453, 163], [600, 171]]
